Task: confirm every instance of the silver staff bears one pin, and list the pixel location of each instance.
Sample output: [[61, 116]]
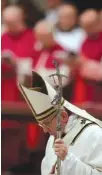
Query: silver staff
[[57, 101]]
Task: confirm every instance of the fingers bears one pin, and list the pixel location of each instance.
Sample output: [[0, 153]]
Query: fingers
[[60, 149], [59, 141], [61, 155]]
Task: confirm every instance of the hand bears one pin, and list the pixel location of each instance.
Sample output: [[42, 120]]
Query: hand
[[60, 148], [9, 61], [91, 70]]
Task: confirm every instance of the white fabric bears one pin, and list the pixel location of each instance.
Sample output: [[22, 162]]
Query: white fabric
[[71, 40], [6, 53], [24, 67], [42, 102], [83, 158], [39, 101], [82, 113]]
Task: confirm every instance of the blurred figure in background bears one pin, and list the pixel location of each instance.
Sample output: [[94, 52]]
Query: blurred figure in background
[[68, 33], [51, 13], [70, 36], [17, 47], [88, 94], [17, 44], [4, 4], [101, 18], [46, 49]]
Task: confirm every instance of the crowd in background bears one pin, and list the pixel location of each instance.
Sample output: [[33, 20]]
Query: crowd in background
[[32, 39]]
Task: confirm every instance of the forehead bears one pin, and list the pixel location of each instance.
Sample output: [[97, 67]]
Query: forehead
[[89, 17], [66, 10], [88, 24], [11, 14]]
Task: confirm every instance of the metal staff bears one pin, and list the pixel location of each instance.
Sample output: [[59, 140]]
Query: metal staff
[[57, 101]]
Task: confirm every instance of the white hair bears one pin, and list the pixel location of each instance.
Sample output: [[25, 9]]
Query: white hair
[[47, 26], [12, 11]]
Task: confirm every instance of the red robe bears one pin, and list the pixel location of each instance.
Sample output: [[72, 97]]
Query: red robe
[[86, 90], [44, 57], [18, 47]]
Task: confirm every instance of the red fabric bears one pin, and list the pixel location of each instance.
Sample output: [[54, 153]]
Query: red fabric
[[8, 85], [89, 90], [21, 46], [12, 124], [79, 91], [49, 54], [33, 134], [92, 48]]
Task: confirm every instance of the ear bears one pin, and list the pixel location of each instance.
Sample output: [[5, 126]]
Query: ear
[[64, 117]]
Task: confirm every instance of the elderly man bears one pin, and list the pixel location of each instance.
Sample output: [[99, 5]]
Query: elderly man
[[46, 49], [67, 33], [17, 45], [80, 146], [18, 40], [89, 80]]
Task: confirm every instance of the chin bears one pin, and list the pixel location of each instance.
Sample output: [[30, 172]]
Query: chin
[[52, 133]]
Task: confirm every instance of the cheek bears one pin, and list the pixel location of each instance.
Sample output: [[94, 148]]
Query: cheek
[[54, 126], [13, 28]]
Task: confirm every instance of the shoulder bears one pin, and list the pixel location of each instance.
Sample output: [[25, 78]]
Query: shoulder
[[92, 133], [89, 140], [29, 33], [4, 35]]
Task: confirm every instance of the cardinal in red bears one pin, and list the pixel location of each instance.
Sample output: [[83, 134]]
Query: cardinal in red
[[88, 94], [16, 51], [46, 50]]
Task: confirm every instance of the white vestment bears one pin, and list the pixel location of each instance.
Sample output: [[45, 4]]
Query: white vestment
[[84, 156], [72, 40]]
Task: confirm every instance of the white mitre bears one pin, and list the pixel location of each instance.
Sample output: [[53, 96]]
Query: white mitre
[[40, 96]]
